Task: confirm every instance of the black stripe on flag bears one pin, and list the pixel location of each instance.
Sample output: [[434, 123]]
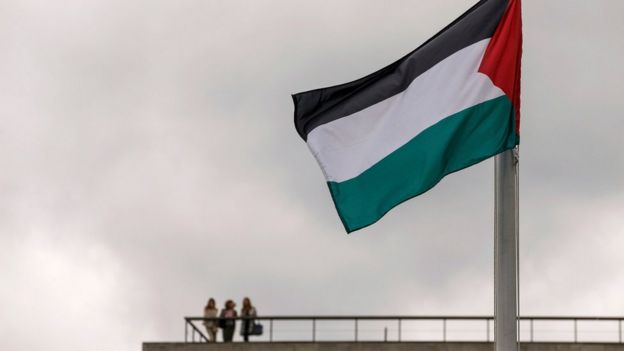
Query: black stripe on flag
[[316, 107]]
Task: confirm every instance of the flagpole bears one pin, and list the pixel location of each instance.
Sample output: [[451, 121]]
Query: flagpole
[[506, 251]]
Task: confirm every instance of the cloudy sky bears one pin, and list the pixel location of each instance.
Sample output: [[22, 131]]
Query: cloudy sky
[[149, 161]]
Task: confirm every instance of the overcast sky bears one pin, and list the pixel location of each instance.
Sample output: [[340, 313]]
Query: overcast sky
[[149, 161]]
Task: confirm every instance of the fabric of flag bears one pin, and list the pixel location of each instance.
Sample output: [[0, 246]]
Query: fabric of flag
[[394, 134]]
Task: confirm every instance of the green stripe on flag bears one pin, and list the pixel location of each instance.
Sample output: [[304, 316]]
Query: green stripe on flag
[[458, 141]]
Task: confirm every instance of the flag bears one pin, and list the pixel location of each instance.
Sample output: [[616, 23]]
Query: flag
[[394, 134]]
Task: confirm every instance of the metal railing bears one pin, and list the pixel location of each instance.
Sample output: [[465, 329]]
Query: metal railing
[[567, 329]]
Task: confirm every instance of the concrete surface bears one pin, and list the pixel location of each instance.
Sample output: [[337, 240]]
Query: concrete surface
[[373, 346]]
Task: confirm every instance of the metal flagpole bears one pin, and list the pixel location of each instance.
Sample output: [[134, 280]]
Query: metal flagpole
[[506, 251]]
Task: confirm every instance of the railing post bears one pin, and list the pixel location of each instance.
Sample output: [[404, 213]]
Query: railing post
[[575, 332], [313, 329], [399, 329], [531, 321], [193, 335], [487, 328], [356, 330], [271, 330], [385, 334], [620, 329], [444, 329], [185, 330]]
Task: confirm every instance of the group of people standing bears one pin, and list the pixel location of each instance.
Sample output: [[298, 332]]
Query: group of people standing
[[227, 322]]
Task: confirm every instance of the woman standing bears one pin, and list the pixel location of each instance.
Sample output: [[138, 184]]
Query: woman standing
[[248, 324], [228, 324], [210, 311]]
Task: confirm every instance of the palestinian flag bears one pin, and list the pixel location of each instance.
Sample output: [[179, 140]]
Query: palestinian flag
[[394, 134]]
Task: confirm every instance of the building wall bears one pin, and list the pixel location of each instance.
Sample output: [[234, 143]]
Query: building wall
[[373, 346]]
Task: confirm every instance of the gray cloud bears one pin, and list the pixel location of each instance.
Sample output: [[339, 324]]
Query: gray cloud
[[150, 161]]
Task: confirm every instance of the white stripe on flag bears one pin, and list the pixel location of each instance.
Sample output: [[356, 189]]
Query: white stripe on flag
[[348, 146]]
